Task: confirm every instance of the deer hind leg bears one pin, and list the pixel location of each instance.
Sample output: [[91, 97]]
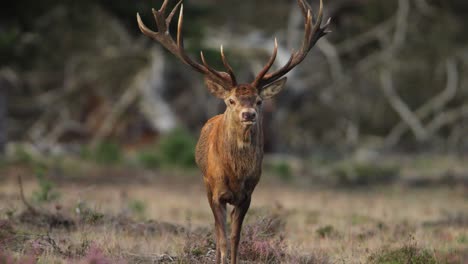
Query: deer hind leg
[[219, 212], [237, 218]]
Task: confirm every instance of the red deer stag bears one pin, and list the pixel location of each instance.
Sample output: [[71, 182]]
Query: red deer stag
[[230, 149]]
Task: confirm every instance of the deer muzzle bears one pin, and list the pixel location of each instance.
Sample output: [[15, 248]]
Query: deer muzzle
[[248, 116]]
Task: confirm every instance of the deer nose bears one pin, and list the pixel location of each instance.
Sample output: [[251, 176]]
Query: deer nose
[[248, 116]]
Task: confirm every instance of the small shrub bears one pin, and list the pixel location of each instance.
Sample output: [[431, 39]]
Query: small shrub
[[95, 255], [309, 259], [463, 239], [178, 148], [7, 233], [326, 231], [283, 170], [105, 153], [10, 212], [198, 246], [455, 256], [3, 161], [138, 208], [88, 215], [405, 255], [46, 192], [263, 242], [22, 156], [7, 258], [149, 159]]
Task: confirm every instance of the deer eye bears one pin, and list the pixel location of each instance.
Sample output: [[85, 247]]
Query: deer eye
[[232, 102], [259, 102]]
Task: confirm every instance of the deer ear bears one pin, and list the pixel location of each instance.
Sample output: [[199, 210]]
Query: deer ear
[[216, 89], [273, 88]]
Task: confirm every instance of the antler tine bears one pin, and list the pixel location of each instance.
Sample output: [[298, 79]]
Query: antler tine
[[313, 32], [159, 20], [303, 7], [213, 71], [159, 36], [180, 45], [267, 67], [145, 29], [318, 22], [176, 47], [307, 32], [162, 9], [205, 69], [171, 15], [228, 67]]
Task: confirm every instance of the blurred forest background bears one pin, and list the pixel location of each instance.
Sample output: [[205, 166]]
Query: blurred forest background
[[366, 147], [391, 76]]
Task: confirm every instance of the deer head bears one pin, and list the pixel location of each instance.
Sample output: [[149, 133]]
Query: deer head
[[243, 100]]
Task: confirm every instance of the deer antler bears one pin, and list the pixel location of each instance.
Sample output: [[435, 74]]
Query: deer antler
[[227, 80], [313, 32]]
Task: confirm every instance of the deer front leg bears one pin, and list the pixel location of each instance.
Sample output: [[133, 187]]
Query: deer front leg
[[237, 218], [219, 212]]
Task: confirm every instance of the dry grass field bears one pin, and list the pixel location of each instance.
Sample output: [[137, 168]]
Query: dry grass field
[[128, 215]]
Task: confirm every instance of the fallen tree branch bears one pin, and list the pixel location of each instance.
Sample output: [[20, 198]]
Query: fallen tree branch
[[401, 25], [333, 58], [401, 107], [350, 45], [433, 105], [447, 117], [424, 7]]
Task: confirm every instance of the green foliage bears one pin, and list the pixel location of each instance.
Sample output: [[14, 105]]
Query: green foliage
[[46, 192], [149, 159], [3, 162], [88, 215], [175, 149], [137, 207], [404, 255], [325, 231], [22, 156], [283, 170], [10, 212], [359, 219], [178, 149], [364, 174], [106, 153], [463, 239], [8, 38]]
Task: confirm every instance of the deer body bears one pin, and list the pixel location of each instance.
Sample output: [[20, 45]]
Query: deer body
[[230, 158], [229, 152], [230, 155]]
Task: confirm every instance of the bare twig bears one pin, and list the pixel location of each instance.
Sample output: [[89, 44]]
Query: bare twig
[[23, 199]]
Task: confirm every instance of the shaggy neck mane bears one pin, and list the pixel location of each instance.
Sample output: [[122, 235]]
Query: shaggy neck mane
[[237, 137]]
